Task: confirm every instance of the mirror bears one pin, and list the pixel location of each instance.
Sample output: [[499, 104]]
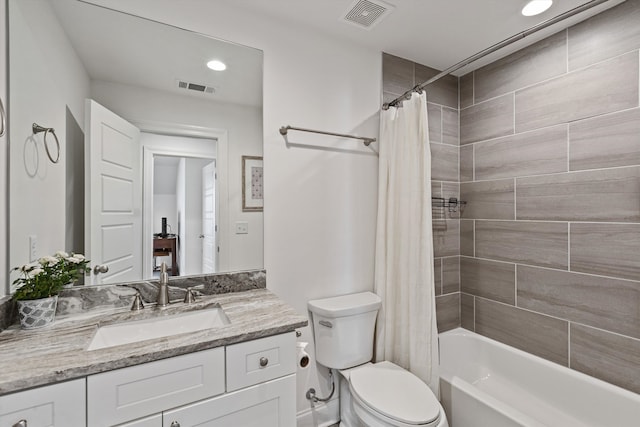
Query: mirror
[[151, 169]]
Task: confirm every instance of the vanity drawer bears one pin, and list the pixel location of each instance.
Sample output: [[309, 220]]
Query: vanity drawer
[[58, 405], [137, 391], [260, 360]]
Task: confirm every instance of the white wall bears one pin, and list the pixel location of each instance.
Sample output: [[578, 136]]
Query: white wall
[[244, 126], [320, 205], [46, 78], [4, 149]]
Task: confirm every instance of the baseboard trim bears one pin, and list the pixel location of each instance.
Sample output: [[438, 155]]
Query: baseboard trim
[[324, 415]]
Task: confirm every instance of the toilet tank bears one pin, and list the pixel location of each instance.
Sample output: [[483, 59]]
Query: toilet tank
[[343, 329]]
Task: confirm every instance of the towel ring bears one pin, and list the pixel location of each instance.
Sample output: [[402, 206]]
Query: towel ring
[[37, 129], [3, 119]]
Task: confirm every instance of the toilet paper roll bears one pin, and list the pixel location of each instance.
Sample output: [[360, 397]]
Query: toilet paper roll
[[302, 356]]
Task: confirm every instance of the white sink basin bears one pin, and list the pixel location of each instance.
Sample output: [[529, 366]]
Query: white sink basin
[[158, 327]]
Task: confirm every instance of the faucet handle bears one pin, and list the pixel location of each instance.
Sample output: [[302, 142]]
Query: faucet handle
[[137, 302], [189, 296]]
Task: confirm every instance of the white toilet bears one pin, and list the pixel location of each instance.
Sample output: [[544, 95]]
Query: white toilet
[[371, 394]]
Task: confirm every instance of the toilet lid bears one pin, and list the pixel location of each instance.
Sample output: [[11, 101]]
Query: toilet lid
[[395, 393]]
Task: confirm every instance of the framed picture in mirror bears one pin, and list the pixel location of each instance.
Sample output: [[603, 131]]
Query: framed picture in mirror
[[252, 184]]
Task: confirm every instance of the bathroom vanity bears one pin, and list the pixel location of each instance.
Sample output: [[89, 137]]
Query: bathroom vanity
[[238, 372]]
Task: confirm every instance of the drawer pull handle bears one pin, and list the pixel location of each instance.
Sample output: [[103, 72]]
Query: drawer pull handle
[[264, 361], [326, 323], [175, 424], [21, 423]]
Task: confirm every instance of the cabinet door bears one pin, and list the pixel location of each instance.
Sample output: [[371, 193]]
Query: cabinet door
[[131, 393], [152, 421], [271, 404], [58, 405]]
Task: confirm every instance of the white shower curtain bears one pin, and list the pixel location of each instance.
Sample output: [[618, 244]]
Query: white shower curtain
[[406, 332]]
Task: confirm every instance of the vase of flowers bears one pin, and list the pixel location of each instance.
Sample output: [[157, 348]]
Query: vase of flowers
[[39, 283]]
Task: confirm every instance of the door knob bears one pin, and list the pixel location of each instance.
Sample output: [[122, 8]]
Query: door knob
[[21, 423], [264, 361], [175, 424], [100, 269]]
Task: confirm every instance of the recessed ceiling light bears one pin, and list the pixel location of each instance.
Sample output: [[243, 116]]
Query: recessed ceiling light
[[536, 7], [217, 65]]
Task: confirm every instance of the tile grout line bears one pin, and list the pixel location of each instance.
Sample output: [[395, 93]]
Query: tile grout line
[[515, 283], [515, 199], [531, 85], [474, 238], [574, 172], [546, 127], [520, 262], [569, 246], [441, 124], [569, 344], [568, 147], [566, 43]]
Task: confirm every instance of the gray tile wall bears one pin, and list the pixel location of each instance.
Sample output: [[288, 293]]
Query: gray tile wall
[[550, 167], [400, 75]]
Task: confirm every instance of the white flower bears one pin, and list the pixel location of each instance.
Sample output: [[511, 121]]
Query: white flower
[[74, 259], [25, 267], [62, 254], [79, 256], [35, 272], [48, 260]]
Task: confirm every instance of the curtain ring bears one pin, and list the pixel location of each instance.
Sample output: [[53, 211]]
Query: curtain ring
[[37, 129], [3, 119]]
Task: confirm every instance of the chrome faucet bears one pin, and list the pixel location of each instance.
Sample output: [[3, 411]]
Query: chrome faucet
[[163, 289]]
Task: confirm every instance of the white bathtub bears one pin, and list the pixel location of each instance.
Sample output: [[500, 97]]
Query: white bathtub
[[485, 383]]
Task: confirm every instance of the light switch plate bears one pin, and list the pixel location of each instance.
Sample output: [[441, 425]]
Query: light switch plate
[[242, 227]]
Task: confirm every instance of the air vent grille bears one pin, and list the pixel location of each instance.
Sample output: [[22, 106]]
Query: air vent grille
[[367, 13], [196, 87]]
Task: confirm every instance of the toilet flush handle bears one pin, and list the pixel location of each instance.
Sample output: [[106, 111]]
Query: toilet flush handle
[[326, 323]]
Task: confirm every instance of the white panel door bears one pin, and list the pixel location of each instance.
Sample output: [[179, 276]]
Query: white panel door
[[271, 404], [58, 405], [113, 200], [209, 220]]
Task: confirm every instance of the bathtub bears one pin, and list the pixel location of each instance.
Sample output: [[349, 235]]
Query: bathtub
[[484, 383]]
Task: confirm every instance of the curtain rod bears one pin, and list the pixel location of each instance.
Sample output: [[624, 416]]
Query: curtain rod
[[495, 47]]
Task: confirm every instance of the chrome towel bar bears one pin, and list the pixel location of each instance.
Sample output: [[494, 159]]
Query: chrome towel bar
[[367, 141]]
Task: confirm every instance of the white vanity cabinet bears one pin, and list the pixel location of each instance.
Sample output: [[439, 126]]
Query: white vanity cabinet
[[126, 394], [60, 404], [246, 384], [271, 404]]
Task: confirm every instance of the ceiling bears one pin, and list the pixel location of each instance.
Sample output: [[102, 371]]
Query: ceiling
[[121, 48], [436, 33]]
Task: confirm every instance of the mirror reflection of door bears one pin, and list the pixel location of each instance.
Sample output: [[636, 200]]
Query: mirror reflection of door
[[184, 193], [113, 196], [209, 222]]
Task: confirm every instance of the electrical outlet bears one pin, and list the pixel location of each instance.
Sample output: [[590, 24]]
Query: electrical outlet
[[33, 248], [242, 227]]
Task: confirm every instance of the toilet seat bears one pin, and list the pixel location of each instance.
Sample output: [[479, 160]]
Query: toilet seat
[[394, 394]]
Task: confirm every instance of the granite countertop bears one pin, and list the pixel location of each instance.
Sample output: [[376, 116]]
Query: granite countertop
[[58, 352]]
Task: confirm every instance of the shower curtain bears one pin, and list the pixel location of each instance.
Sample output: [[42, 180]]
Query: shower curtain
[[406, 332]]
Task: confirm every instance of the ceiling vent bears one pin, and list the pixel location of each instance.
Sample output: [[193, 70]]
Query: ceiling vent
[[196, 87], [367, 13]]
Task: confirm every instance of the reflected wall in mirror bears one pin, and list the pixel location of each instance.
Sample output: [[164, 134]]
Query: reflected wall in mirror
[[146, 132]]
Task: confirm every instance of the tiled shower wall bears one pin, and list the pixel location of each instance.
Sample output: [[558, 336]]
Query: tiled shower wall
[[400, 75], [550, 167]]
